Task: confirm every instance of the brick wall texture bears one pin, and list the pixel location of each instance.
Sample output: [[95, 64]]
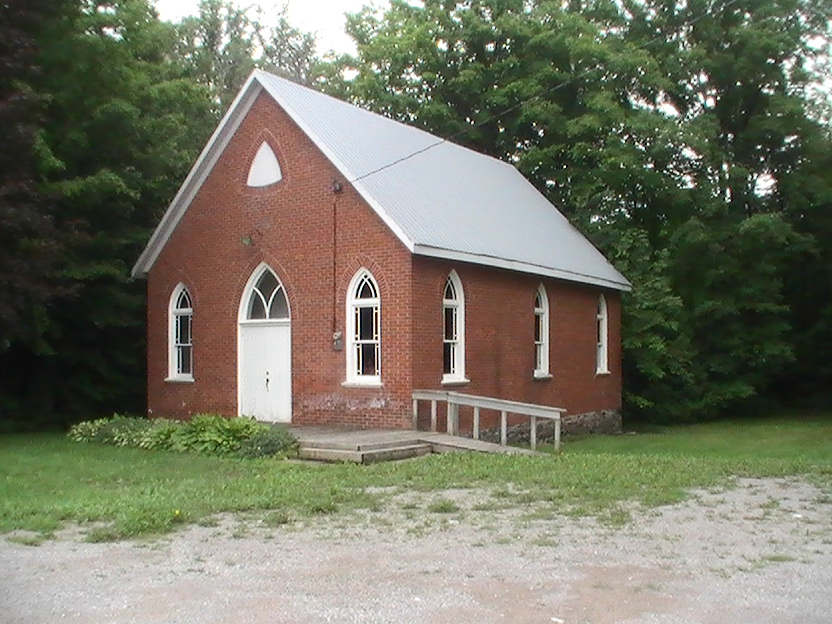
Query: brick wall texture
[[315, 240]]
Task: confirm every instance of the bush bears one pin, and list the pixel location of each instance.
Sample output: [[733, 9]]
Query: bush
[[211, 434], [268, 442], [207, 434], [160, 435], [87, 431], [123, 431]]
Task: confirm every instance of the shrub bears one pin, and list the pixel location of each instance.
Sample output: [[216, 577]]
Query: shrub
[[269, 441], [208, 434], [211, 434], [87, 431], [123, 431], [160, 435]]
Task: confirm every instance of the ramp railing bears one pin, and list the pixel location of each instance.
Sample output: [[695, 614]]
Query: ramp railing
[[454, 400]]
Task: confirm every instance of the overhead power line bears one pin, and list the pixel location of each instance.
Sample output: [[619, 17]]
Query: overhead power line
[[511, 109]]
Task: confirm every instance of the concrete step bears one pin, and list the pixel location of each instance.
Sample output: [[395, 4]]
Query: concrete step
[[359, 445], [368, 456]]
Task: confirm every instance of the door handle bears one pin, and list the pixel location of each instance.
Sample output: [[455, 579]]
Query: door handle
[[267, 381]]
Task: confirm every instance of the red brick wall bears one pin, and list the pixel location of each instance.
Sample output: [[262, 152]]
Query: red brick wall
[[291, 226], [499, 349]]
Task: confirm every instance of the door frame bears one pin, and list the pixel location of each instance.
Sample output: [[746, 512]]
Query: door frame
[[253, 278]]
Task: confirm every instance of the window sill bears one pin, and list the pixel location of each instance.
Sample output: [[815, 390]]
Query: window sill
[[601, 373], [362, 384], [180, 379], [455, 381], [541, 376]]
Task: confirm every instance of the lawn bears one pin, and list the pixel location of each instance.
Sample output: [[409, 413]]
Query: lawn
[[47, 481]]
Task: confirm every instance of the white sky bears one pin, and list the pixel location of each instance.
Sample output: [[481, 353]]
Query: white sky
[[324, 18]]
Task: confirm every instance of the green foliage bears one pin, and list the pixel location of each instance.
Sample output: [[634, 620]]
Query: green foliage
[[205, 434], [268, 442], [88, 430], [122, 431], [27, 232], [211, 434], [221, 45], [114, 140]]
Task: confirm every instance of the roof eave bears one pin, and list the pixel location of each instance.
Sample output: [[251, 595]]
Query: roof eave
[[197, 175], [622, 285]]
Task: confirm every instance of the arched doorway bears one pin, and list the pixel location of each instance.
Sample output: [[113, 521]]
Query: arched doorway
[[264, 349]]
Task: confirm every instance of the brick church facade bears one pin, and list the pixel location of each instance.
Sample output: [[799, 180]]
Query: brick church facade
[[312, 269]]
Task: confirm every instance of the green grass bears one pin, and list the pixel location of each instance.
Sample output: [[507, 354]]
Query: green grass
[[47, 481], [787, 438]]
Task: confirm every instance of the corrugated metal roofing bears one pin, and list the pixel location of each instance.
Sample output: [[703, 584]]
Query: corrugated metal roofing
[[445, 200], [439, 198]]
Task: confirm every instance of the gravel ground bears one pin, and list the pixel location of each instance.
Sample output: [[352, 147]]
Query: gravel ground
[[758, 553]]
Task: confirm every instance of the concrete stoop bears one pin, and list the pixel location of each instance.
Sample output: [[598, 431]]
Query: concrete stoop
[[368, 446], [364, 456]]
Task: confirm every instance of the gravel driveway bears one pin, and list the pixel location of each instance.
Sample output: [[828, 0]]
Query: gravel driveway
[[760, 552]]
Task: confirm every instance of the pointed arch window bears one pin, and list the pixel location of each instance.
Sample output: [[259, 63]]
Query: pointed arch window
[[180, 335], [602, 336], [267, 300], [364, 330], [541, 333], [453, 339]]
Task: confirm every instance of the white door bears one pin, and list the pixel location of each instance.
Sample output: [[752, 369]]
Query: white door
[[265, 350], [265, 371]]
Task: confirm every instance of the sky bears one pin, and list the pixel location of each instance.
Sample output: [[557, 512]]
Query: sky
[[325, 18]]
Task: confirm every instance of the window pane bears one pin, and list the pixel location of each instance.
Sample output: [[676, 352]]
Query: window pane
[[183, 329], [267, 284], [183, 301], [256, 307], [450, 323], [538, 327], [450, 292], [366, 290], [279, 308], [366, 325], [538, 303], [448, 358], [367, 360], [184, 365]]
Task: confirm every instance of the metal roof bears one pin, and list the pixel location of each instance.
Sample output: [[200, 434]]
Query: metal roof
[[439, 198]]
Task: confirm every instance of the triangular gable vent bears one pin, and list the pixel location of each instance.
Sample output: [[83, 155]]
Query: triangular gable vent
[[265, 169]]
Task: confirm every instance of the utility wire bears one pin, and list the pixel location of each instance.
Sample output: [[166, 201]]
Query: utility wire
[[513, 108]]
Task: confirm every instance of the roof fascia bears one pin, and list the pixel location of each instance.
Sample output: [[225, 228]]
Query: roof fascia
[[522, 267], [196, 177], [351, 176]]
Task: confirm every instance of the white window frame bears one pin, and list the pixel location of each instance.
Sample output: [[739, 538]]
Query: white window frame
[[602, 337], [175, 344], [541, 343], [354, 342], [456, 343], [252, 290]]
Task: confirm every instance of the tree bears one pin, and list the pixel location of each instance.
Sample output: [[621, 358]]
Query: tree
[[27, 233], [223, 43], [121, 126]]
